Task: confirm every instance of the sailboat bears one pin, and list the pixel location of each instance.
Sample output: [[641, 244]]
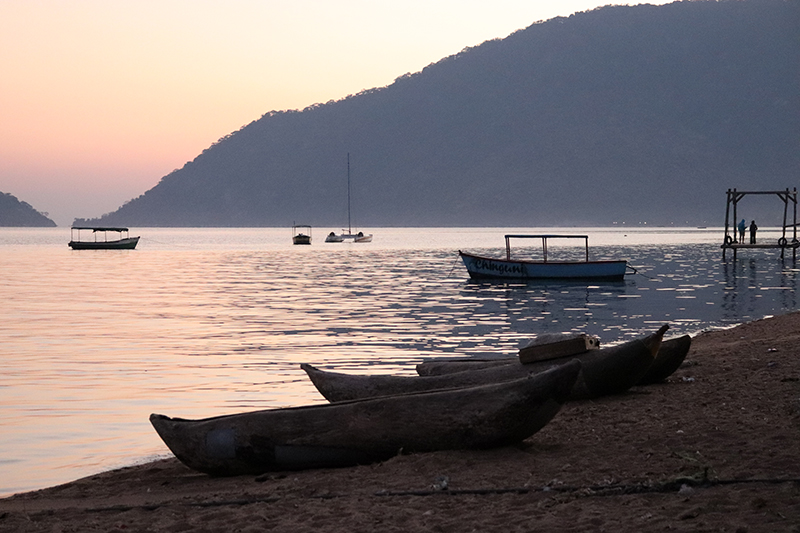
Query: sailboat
[[355, 237]]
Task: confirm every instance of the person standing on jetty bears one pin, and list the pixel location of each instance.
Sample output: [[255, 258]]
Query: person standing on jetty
[[753, 229], [741, 231]]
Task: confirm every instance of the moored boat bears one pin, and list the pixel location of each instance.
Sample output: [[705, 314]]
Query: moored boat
[[332, 237], [360, 432], [362, 237], [349, 235], [671, 354], [480, 267], [604, 371], [301, 234], [121, 243]]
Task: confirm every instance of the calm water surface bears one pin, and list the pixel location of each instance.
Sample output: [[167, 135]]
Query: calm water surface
[[201, 322]]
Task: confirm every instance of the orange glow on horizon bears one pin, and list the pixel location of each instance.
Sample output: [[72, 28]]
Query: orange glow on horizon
[[135, 88]]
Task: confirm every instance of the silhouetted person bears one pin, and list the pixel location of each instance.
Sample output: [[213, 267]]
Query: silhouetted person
[[741, 231], [753, 229]]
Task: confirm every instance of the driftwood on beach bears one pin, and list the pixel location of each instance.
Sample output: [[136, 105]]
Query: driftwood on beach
[[361, 432], [605, 371]]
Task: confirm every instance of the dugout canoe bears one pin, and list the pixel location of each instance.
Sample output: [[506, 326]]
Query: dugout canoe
[[361, 432], [669, 358], [604, 371]]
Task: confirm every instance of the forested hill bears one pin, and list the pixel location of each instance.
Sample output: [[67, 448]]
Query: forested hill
[[14, 213], [620, 114]]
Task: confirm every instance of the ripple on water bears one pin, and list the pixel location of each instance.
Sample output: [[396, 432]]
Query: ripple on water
[[93, 343]]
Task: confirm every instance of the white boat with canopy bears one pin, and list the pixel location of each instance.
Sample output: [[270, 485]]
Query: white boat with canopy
[[481, 267]]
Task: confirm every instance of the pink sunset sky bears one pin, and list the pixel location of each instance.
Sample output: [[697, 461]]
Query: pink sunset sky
[[99, 99]]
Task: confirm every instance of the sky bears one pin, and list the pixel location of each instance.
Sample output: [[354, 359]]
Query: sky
[[99, 99]]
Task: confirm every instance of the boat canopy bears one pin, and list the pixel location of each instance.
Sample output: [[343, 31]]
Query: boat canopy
[[544, 242], [96, 229]]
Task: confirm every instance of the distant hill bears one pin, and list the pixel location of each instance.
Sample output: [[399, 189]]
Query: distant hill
[[619, 114], [14, 213]]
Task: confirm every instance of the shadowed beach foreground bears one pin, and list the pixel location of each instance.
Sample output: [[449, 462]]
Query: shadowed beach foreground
[[715, 448]]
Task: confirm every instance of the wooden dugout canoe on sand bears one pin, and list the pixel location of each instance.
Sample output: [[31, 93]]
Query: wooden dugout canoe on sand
[[669, 358], [361, 432], [604, 371]]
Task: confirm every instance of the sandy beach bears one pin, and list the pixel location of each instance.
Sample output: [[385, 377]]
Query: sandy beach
[[714, 448]]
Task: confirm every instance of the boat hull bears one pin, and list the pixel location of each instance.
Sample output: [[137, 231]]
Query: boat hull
[[669, 358], [121, 244], [360, 237], [360, 432], [357, 237], [604, 371], [480, 267], [671, 353]]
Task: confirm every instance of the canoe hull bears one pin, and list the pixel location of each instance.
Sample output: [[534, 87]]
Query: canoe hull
[[490, 268], [604, 371], [669, 358], [361, 432]]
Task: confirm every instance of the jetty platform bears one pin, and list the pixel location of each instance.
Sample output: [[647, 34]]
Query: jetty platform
[[783, 243]]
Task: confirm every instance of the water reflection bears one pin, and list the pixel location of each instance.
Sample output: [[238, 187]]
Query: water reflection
[[95, 342], [747, 282], [536, 307]]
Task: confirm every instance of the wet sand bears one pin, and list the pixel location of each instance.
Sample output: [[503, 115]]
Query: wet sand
[[714, 448]]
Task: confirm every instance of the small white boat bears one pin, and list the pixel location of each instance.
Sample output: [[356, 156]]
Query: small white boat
[[299, 236], [358, 237], [347, 236], [480, 267]]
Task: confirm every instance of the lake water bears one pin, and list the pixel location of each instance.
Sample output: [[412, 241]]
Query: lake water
[[201, 322]]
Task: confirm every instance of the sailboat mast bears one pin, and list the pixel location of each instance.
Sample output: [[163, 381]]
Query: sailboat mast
[[349, 228]]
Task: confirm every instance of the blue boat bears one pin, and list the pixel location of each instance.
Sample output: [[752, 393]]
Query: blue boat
[[480, 267]]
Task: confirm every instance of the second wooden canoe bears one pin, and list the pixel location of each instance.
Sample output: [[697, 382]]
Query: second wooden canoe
[[605, 371], [669, 358]]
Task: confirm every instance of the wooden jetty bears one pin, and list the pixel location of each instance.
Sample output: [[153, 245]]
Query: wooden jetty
[[783, 242]]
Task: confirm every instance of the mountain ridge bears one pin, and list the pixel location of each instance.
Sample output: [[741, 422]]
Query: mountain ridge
[[623, 113], [19, 214]]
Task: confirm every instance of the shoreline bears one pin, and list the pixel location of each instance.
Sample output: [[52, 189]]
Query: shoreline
[[714, 448]]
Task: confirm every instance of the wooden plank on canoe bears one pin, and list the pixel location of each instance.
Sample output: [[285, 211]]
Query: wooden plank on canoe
[[545, 347]]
